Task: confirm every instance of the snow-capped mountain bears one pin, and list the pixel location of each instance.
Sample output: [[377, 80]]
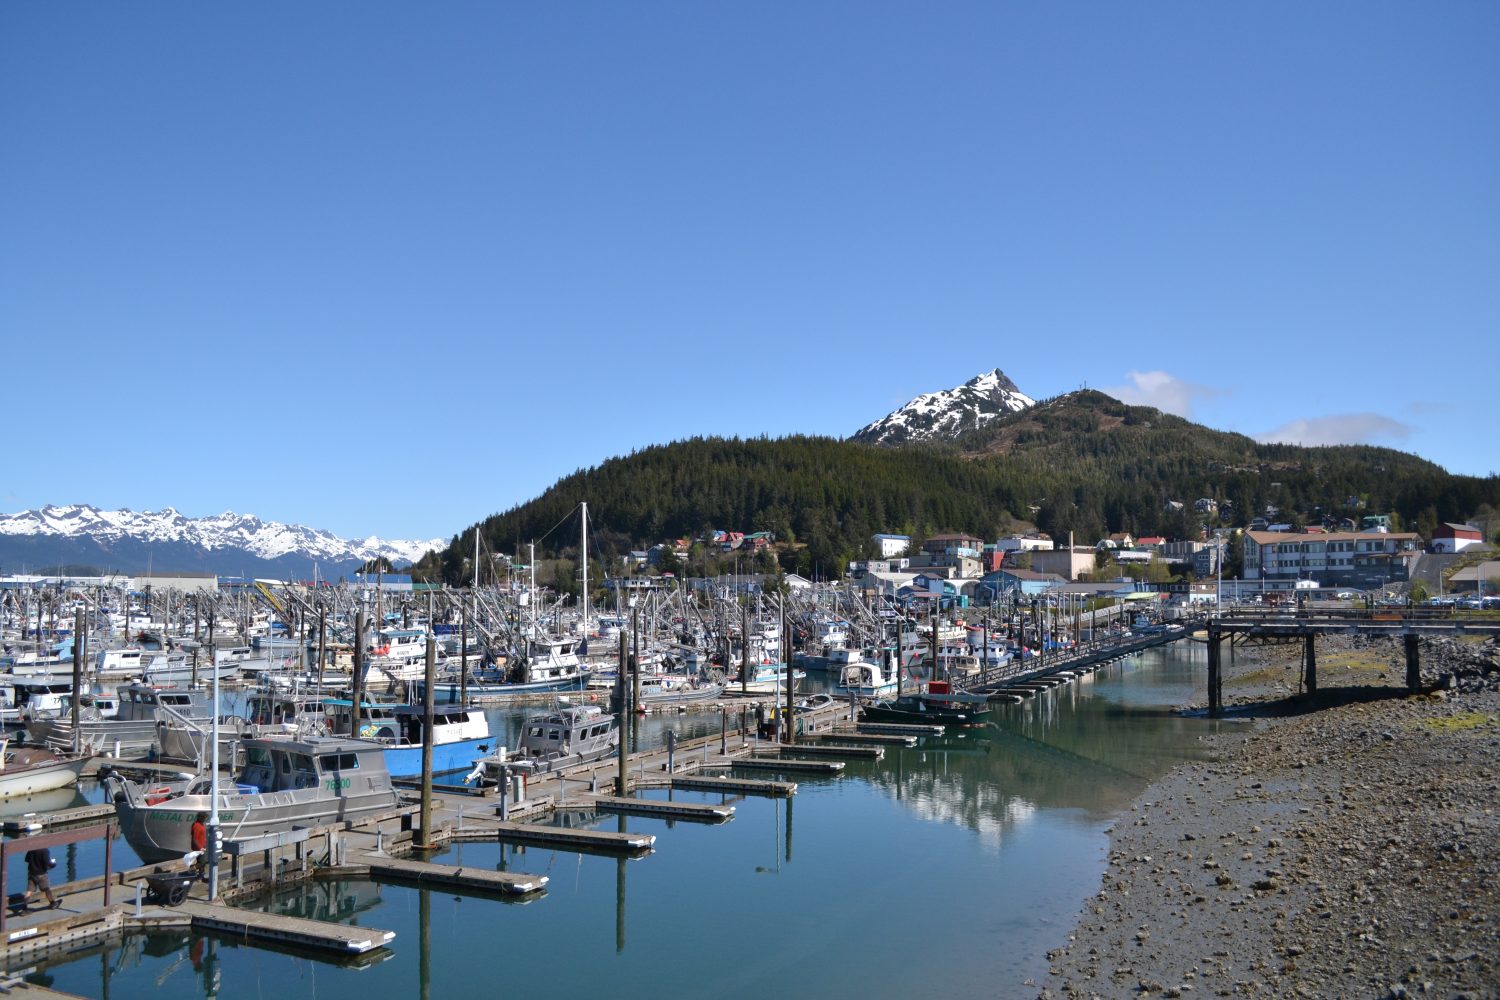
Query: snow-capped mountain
[[946, 414], [82, 532]]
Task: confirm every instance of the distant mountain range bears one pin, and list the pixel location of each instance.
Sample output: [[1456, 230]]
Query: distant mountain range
[[945, 415], [983, 458], [229, 544]]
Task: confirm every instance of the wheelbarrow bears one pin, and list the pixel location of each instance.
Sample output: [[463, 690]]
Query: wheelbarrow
[[169, 888]]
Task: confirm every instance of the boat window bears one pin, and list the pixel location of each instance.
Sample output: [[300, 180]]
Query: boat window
[[285, 762], [536, 731], [339, 762], [257, 756], [554, 734]]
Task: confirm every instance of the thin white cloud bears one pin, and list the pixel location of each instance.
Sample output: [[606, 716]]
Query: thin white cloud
[[1164, 391], [1340, 428]]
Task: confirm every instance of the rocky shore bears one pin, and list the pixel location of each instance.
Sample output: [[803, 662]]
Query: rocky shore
[[1346, 845]]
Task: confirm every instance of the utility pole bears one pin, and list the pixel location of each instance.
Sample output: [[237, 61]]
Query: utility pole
[[430, 678]]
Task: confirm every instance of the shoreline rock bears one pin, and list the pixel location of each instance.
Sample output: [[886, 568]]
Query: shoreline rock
[[1345, 845]]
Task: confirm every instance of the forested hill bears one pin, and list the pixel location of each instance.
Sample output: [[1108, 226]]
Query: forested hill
[[1082, 462]]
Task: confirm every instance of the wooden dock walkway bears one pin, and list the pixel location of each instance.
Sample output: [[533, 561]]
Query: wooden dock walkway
[[872, 739], [736, 786], [896, 728], [596, 841], [16, 988], [31, 822], [822, 750], [785, 765], [696, 811], [450, 877], [274, 927]]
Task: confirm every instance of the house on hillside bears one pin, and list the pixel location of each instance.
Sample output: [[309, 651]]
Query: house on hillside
[[952, 544], [1449, 537], [1116, 540], [1037, 541], [890, 546]]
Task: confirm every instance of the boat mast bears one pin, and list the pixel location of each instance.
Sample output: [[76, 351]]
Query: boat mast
[[584, 543]]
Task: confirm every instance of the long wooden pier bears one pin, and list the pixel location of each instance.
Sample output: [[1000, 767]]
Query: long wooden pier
[[1409, 625]]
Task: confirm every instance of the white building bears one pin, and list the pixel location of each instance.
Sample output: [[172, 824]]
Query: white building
[[1025, 543], [890, 546]]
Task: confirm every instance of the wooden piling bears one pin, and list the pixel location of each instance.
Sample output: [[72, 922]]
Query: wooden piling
[[1310, 663], [1215, 676], [1413, 662]]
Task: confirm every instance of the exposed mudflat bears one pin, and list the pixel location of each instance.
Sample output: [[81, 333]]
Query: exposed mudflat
[[1346, 845]]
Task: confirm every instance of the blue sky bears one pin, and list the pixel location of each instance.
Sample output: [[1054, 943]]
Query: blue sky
[[390, 268]]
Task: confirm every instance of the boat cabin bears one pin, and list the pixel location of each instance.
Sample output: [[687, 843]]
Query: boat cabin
[[276, 709], [140, 701], [283, 765], [565, 731], [402, 725]]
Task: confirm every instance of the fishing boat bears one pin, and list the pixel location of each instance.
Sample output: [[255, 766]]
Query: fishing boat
[[268, 712], [765, 678], [935, 706], [676, 689], [133, 728], [572, 735], [28, 770], [459, 732], [283, 784], [43, 697], [548, 663], [866, 679]]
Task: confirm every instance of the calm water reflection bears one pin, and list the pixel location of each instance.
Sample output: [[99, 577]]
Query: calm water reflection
[[951, 867]]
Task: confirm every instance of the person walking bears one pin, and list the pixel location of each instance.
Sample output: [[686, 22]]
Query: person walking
[[38, 863], [199, 834]]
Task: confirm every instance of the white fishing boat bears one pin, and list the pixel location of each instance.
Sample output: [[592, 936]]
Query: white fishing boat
[[572, 735], [131, 731], [28, 770], [283, 784], [867, 679]]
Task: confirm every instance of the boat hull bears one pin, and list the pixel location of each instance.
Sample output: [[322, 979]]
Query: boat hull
[[29, 779], [406, 762], [163, 831]]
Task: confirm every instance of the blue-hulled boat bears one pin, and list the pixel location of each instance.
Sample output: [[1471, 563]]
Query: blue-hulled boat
[[460, 734]]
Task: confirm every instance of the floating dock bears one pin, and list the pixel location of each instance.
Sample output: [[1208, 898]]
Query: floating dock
[[871, 739], [827, 750], [274, 927], [700, 812], [899, 728], [786, 765], [31, 822], [599, 841], [448, 876], [737, 786]]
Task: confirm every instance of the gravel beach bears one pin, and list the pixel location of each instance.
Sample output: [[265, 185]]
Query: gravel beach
[[1346, 845]]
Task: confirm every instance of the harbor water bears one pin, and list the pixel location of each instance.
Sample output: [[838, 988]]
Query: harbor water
[[946, 869]]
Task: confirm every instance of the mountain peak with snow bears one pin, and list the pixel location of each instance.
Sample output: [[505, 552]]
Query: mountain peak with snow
[[944, 415], [225, 534]]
